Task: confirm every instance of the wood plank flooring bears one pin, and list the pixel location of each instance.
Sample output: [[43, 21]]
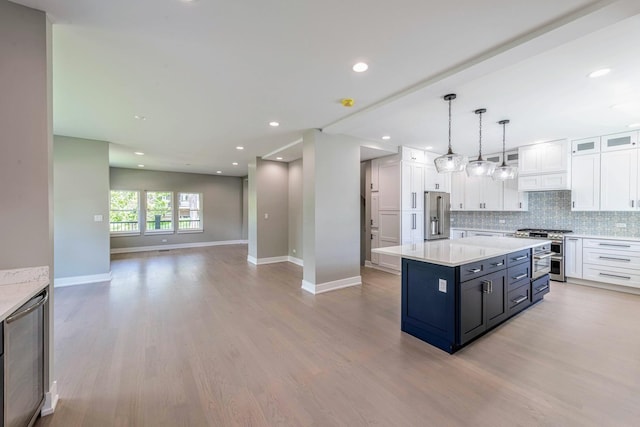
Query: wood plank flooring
[[200, 337]]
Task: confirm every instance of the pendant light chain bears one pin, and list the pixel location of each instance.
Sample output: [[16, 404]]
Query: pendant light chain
[[480, 151], [504, 150], [449, 125]]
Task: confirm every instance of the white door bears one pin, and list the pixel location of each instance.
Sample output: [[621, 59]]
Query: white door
[[619, 180], [389, 186], [375, 209], [585, 182], [573, 257]]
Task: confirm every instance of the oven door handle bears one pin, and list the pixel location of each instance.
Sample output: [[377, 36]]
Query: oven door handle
[[23, 313], [545, 255]]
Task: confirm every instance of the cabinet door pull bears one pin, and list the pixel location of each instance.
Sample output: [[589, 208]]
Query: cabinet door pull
[[497, 264], [372, 237], [573, 204], [437, 186], [615, 275], [614, 245], [610, 258], [519, 258], [371, 185], [633, 203], [485, 286], [460, 205], [413, 219], [520, 299], [371, 221], [542, 288], [490, 286], [520, 204], [475, 270], [522, 276]]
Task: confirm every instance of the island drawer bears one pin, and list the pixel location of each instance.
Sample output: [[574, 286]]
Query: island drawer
[[519, 257], [519, 298], [515, 285], [480, 268], [539, 288], [518, 272]]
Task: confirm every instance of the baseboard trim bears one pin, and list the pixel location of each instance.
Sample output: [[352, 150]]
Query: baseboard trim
[[331, 286], [296, 261], [177, 246], [81, 280], [601, 285], [272, 260], [50, 400], [377, 267]]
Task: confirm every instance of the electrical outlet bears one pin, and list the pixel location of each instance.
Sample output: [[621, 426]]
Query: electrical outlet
[[266, 216], [97, 218], [442, 285], [502, 221], [621, 225], [294, 251]]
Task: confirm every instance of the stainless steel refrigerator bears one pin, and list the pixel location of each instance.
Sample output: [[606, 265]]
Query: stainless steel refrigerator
[[437, 215]]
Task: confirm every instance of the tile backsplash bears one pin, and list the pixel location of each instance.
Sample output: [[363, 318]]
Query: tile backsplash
[[552, 209]]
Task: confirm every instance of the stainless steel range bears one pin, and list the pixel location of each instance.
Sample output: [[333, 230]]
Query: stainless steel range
[[557, 247]]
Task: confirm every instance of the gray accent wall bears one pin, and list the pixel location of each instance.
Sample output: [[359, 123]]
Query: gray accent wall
[[295, 209], [552, 209], [25, 139], [222, 204], [81, 191]]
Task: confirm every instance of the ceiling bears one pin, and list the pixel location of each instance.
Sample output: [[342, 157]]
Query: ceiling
[[209, 75]]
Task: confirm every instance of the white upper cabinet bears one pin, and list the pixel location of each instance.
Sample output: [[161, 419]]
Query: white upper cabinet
[[585, 178], [514, 200], [483, 194], [412, 186], [413, 155], [375, 167], [619, 141], [434, 181], [495, 158], [585, 146], [546, 157], [458, 190], [619, 180]]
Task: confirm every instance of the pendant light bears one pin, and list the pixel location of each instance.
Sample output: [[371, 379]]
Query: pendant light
[[504, 172], [450, 162], [480, 167]]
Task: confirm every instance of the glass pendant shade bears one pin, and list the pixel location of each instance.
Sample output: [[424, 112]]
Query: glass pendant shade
[[480, 167], [450, 162], [504, 171]]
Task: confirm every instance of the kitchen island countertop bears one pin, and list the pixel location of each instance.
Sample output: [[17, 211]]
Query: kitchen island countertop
[[453, 253], [18, 286]]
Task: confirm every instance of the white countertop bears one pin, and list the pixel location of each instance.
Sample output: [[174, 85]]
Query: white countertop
[[19, 286], [452, 253]]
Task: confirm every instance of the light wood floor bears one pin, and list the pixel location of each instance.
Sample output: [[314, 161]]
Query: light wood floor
[[201, 338]]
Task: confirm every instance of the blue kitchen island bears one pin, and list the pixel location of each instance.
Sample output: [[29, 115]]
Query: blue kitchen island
[[454, 291]]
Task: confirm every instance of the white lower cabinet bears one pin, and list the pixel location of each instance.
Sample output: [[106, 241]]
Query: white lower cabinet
[[573, 257], [457, 234], [611, 261], [389, 235]]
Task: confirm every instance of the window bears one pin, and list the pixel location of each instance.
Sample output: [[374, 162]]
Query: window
[[159, 211], [124, 212], [190, 212]]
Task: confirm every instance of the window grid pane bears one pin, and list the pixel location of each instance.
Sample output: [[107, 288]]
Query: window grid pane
[[159, 211], [124, 212], [189, 213]]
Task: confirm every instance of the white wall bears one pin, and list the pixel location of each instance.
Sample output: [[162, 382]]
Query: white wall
[[81, 190], [272, 200], [295, 209]]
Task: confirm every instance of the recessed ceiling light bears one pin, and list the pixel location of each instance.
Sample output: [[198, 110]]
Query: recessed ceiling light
[[599, 73], [634, 125], [539, 141], [278, 158], [428, 148], [360, 67], [239, 148], [386, 137], [274, 124], [139, 153], [137, 117], [218, 171], [140, 166], [235, 163]]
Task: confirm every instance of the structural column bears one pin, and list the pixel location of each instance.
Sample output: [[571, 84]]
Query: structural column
[[331, 211]]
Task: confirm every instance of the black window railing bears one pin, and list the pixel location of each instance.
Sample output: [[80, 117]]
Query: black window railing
[[123, 226], [189, 224]]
